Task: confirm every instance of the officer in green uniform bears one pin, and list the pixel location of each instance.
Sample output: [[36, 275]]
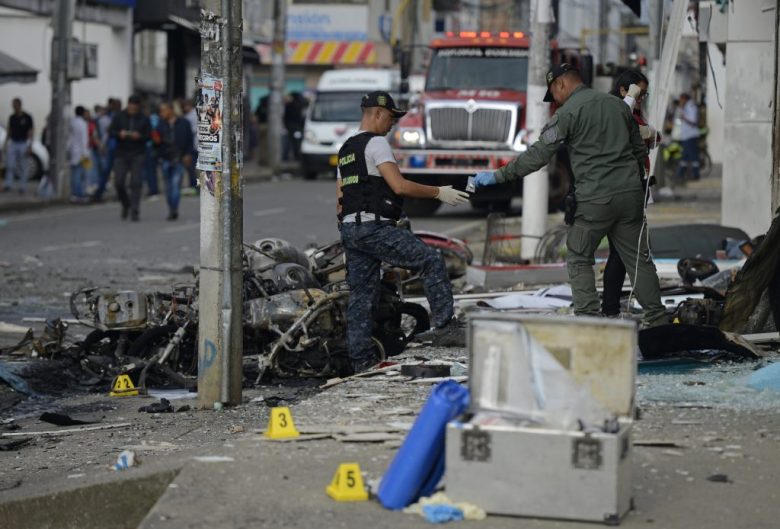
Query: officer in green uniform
[[607, 154]]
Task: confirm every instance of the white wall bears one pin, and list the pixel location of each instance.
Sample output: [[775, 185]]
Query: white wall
[[28, 39], [115, 65], [751, 71]]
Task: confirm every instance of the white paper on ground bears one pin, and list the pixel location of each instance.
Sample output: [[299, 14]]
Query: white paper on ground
[[527, 301]]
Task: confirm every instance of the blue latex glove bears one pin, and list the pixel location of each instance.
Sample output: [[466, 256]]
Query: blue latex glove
[[442, 513], [485, 178]]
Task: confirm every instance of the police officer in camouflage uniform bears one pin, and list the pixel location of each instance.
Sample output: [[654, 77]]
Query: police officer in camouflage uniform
[[370, 191], [607, 156]]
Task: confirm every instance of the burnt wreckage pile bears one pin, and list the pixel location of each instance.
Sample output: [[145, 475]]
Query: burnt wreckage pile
[[294, 317]]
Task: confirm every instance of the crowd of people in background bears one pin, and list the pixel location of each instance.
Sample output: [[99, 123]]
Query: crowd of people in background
[[144, 141], [136, 144]]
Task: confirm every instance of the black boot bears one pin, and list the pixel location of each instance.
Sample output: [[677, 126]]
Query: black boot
[[449, 335]]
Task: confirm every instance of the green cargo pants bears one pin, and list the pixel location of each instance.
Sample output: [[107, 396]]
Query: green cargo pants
[[620, 218]]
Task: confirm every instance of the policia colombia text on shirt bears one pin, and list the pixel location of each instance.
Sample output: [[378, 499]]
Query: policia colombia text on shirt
[[370, 191]]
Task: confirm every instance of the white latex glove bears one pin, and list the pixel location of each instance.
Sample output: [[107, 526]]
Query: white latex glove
[[634, 91], [451, 196], [647, 132]]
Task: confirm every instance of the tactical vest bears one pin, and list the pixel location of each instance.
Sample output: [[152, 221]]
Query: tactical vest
[[362, 192]]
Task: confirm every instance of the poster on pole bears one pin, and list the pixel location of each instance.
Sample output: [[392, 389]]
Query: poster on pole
[[208, 106]]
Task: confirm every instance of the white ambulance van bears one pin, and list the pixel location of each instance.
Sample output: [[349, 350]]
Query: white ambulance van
[[334, 114]]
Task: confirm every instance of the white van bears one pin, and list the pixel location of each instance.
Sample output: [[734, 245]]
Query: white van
[[334, 114]]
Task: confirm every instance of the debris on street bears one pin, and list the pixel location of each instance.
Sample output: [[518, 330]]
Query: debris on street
[[61, 419], [164, 406], [125, 460]]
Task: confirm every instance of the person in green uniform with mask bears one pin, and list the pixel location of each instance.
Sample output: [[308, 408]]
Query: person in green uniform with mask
[[607, 157]]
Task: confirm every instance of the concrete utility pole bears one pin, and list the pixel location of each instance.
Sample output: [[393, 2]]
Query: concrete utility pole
[[220, 345], [536, 185], [407, 39], [276, 98], [603, 36], [64, 11], [776, 128]]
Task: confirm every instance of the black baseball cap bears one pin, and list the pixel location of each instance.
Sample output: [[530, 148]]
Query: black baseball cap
[[554, 73], [381, 99]]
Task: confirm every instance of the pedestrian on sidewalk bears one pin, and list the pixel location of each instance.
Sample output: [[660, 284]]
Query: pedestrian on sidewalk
[[632, 87], [261, 114], [93, 171], [688, 113], [150, 161], [107, 146], [188, 109], [369, 190], [607, 157], [130, 128], [79, 156], [18, 145], [174, 153], [294, 117]]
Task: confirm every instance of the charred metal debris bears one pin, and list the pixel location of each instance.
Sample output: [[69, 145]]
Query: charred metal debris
[[294, 319]]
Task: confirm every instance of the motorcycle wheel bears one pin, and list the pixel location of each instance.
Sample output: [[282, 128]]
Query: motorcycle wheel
[[705, 164], [410, 320]]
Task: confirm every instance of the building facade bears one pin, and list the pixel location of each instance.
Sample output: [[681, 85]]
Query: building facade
[[26, 33]]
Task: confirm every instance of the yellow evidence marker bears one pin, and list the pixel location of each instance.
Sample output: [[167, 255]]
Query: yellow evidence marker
[[347, 484], [280, 425], [123, 387]]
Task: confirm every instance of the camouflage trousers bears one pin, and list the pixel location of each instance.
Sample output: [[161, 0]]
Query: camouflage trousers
[[366, 246]]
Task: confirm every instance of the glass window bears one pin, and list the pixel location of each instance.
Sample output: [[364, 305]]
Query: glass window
[[337, 106], [478, 69]]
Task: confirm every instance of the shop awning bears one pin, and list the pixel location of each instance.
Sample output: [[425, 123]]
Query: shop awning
[[13, 71], [330, 52]]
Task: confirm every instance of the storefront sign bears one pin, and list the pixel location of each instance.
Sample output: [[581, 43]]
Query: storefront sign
[[327, 22]]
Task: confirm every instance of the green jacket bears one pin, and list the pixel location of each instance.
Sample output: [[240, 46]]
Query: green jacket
[[602, 137]]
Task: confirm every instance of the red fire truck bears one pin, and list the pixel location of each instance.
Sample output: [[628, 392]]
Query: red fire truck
[[471, 117]]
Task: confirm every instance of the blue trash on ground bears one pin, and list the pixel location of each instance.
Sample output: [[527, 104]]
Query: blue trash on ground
[[419, 464], [766, 378], [442, 513], [9, 373]]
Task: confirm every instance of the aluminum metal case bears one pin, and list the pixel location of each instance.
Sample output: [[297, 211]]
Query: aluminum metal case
[[544, 472]]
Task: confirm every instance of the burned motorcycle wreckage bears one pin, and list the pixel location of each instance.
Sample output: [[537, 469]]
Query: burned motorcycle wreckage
[[150, 336], [294, 317], [299, 327]]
